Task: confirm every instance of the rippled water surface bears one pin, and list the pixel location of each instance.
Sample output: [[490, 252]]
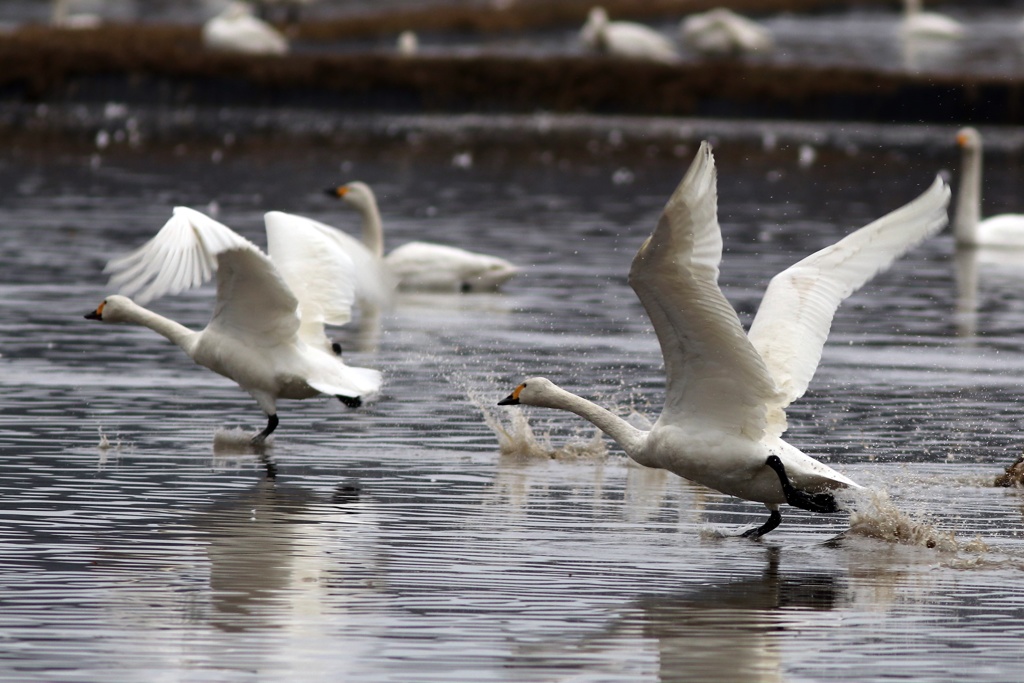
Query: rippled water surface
[[140, 539]]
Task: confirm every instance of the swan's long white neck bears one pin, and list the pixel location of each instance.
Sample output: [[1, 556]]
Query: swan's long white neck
[[373, 229], [911, 7], [626, 435], [175, 332], [968, 198]]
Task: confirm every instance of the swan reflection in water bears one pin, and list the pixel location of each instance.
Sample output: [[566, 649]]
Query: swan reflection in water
[[983, 276], [284, 558], [731, 631]]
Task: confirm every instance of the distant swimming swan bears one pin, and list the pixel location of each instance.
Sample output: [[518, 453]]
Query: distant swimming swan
[[267, 329], [626, 39], [423, 265], [236, 29], [721, 31], [921, 25], [1006, 230], [727, 391]]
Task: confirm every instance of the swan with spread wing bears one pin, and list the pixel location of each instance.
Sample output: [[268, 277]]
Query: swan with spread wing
[[726, 390], [267, 330]]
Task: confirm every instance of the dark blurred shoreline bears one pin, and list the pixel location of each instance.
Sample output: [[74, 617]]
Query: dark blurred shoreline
[[165, 66]]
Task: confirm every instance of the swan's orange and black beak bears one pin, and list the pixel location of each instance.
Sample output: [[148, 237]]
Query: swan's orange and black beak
[[97, 314], [338, 192], [961, 139], [513, 398]]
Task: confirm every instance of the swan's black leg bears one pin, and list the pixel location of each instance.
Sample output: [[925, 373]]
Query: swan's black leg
[[271, 426], [351, 401], [815, 502], [773, 521]]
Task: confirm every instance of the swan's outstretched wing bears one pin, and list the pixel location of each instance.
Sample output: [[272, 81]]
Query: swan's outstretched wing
[[319, 273], [254, 302], [374, 285], [714, 375], [180, 256], [793, 321]]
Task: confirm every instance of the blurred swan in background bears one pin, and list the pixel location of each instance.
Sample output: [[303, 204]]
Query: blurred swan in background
[[236, 29], [65, 15], [918, 24], [407, 44], [727, 391], [267, 330], [721, 31], [626, 39], [423, 265], [969, 229]]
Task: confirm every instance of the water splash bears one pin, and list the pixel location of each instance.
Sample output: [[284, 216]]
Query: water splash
[[876, 516], [235, 441], [516, 436]]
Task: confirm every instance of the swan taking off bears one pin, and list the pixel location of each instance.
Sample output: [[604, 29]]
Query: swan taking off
[[422, 265], [726, 392], [721, 32], [626, 39], [1004, 230], [267, 330], [236, 29]]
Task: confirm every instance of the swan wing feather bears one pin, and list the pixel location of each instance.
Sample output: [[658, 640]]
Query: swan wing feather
[[319, 273], [182, 255], [796, 313], [714, 375]]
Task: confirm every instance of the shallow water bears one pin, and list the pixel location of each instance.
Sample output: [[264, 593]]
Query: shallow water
[[142, 539]]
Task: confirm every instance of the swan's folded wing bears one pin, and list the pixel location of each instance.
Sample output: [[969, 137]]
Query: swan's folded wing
[[795, 316], [713, 373], [319, 273], [180, 256], [439, 266]]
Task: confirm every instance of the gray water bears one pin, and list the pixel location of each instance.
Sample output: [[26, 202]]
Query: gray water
[[432, 536]]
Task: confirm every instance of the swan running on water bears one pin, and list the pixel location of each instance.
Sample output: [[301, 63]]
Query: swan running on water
[[423, 265], [1004, 230], [267, 329], [727, 391]]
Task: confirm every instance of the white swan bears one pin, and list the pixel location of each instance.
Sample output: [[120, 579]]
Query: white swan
[[267, 329], [727, 391], [236, 30], [721, 31], [626, 39], [65, 16], [423, 265], [918, 24], [1005, 230]]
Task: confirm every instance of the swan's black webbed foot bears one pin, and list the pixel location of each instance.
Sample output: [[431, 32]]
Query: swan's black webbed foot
[[336, 347], [351, 401], [773, 521], [262, 436], [465, 288], [814, 502]]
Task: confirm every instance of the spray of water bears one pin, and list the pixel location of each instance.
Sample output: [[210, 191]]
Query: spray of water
[[876, 516]]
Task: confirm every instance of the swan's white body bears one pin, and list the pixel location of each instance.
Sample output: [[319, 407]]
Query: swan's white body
[[65, 16], [408, 44], [721, 31], [237, 30], [918, 24], [727, 391], [267, 330], [626, 39], [1004, 230], [422, 265]]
